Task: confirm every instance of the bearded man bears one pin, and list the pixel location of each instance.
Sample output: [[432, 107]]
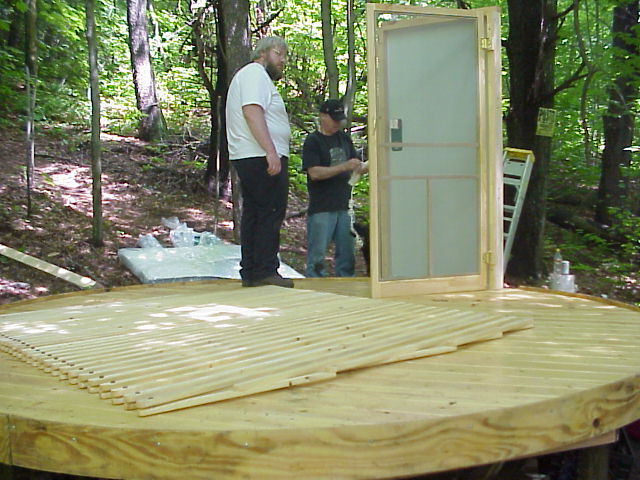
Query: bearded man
[[258, 133]]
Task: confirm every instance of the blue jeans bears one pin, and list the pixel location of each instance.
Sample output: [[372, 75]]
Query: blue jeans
[[322, 228]]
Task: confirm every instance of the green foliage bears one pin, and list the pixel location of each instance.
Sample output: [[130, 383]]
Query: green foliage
[[118, 101], [11, 82], [186, 103], [627, 229], [601, 267], [62, 62], [297, 177]]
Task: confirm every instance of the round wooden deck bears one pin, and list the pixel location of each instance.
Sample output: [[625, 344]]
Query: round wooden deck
[[573, 377]]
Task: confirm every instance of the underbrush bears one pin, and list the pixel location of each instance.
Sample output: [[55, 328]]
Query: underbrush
[[601, 268]]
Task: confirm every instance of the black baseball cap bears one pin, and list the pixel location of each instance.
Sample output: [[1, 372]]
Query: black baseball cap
[[334, 109]]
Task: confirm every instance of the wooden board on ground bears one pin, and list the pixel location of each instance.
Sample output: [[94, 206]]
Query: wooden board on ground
[[64, 274]]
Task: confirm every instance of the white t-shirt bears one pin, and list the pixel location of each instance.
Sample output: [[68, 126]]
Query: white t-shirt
[[252, 85]]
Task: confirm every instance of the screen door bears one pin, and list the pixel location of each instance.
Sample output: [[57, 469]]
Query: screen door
[[430, 177]]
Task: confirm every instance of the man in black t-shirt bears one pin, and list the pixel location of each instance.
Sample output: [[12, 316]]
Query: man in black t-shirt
[[329, 158]]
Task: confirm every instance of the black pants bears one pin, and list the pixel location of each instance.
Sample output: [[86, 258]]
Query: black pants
[[264, 204]]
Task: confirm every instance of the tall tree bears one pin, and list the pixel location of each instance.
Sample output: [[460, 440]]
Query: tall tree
[[96, 164], [620, 117], [152, 124], [592, 69], [217, 171], [328, 48], [14, 29], [531, 45], [31, 64], [351, 62], [234, 47]]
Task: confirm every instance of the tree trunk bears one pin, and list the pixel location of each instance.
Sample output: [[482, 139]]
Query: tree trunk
[[31, 65], [15, 29], [96, 165], [619, 120], [327, 48], [233, 52], [351, 63], [531, 55], [217, 173], [221, 165], [152, 124], [592, 69]]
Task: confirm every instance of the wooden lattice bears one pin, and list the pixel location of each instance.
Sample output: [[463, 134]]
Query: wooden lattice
[[156, 357]]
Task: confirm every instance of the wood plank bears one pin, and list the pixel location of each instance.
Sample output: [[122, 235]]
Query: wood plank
[[5, 442], [62, 273], [353, 452]]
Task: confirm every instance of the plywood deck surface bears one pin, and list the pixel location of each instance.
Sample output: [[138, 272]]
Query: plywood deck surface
[[574, 376]]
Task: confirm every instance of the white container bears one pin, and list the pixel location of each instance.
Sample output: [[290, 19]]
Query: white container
[[563, 283]]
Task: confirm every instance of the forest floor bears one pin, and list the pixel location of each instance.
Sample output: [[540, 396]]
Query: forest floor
[[141, 185]]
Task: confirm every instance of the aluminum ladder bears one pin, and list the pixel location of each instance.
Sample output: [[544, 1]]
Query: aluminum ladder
[[516, 166]]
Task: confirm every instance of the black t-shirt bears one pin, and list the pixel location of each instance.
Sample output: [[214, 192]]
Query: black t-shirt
[[331, 194]]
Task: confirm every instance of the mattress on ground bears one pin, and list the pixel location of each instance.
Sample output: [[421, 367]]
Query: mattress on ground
[[157, 265]]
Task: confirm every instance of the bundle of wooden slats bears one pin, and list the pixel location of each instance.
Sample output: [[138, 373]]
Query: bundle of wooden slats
[[163, 354]]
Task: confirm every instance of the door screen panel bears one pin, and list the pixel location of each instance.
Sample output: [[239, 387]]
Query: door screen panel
[[432, 80], [429, 166], [404, 239], [455, 217]]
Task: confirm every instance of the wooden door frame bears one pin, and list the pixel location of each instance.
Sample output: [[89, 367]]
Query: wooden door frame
[[490, 151]]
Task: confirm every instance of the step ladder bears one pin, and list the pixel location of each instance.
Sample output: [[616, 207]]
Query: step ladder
[[516, 166]]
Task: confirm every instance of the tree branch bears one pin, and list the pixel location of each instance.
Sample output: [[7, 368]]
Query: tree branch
[[577, 75], [565, 12], [268, 21]]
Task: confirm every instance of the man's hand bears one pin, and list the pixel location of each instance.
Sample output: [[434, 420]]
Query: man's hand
[[353, 164], [322, 173], [274, 165]]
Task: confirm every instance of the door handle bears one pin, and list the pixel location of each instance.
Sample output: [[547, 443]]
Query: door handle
[[396, 133]]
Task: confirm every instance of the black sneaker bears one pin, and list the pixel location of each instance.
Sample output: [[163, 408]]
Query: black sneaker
[[275, 280]]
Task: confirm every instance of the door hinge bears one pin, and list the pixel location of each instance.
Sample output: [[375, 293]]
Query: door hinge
[[488, 35], [486, 43], [488, 258]]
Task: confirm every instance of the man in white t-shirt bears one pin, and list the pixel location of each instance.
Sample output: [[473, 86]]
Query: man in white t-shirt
[[258, 132]]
